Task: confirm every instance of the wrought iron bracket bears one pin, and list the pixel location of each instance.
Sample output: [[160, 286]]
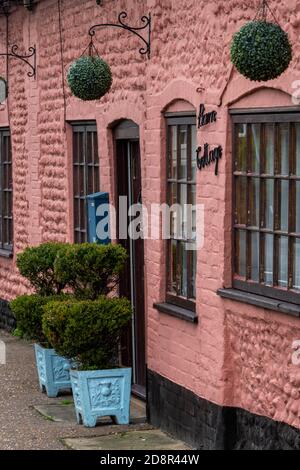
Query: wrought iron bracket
[[24, 58], [146, 20]]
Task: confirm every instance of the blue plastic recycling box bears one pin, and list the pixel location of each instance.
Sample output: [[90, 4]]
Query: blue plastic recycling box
[[98, 218]]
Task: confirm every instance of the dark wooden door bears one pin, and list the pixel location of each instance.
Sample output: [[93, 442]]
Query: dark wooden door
[[129, 184]]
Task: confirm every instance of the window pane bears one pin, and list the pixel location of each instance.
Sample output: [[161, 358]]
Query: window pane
[[284, 149], [77, 237], [194, 155], [284, 206], [89, 147], [5, 204], [183, 203], [269, 204], [269, 259], [240, 261], [76, 213], [297, 203], [193, 255], [241, 151], [296, 255], [82, 214], [254, 201], [10, 203], [82, 237], [5, 176], [172, 152], [81, 180], [183, 152], [10, 232], [95, 147], [90, 181], [297, 127], [76, 180], [283, 261], [270, 149], [175, 231], [183, 194], [173, 267], [81, 149], [194, 214], [255, 256], [4, 232], [96, 179], [182, 269], [255, 147], [240, 200]]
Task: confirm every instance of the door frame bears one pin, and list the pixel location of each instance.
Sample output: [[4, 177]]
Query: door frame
[[128, 132]]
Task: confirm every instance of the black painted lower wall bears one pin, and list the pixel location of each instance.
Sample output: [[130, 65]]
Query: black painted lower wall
[[206, 426], [7, 320]]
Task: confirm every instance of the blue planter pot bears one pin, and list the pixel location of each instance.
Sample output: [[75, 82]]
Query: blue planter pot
[[53, 371], [101, 393]]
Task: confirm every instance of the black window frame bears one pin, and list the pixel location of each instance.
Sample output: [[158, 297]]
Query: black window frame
[[6, 194], [89, 166], [275, 116], [179, 119]]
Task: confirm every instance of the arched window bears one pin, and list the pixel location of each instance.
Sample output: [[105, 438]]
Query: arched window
[[86, 178], [6, 194], [181, 195]]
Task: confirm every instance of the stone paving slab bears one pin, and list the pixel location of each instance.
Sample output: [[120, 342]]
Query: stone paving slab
[[132, 440], [64, 411]]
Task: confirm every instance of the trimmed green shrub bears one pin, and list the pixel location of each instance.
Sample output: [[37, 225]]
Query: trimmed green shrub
[[18, 333], [261, 51], [28, 310], [87, 331], [37, 265], [89, 269], [89, 78]]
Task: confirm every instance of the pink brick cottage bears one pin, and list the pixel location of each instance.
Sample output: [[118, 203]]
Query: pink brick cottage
[[216, 336]]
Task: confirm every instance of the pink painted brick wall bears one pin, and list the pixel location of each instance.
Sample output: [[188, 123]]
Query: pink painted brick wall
[[237, 354]]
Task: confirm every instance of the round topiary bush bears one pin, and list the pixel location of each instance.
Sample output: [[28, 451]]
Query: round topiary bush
[[90, 270], [28, 311], [37, 265], [261, 51], [89, 78], [87, 331]]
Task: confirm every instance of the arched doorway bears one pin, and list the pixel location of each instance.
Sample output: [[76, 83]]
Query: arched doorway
[[129, 192]]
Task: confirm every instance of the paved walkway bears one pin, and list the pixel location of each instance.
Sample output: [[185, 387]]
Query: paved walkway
[[21, 426], [31, 420]]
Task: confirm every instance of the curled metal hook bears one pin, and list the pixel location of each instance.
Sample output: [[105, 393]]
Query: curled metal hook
[[146, 49], [24, 57]]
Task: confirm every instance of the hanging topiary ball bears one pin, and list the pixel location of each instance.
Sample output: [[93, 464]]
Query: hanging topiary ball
[[261, 51], [89, 78]]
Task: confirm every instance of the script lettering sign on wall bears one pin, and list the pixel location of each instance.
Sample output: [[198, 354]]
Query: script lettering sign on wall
[[205, 155]]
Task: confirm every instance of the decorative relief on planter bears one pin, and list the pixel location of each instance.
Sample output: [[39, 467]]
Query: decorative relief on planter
[[61, 369], [105, 394], [53, 371], [40, 362], [76, 393]]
